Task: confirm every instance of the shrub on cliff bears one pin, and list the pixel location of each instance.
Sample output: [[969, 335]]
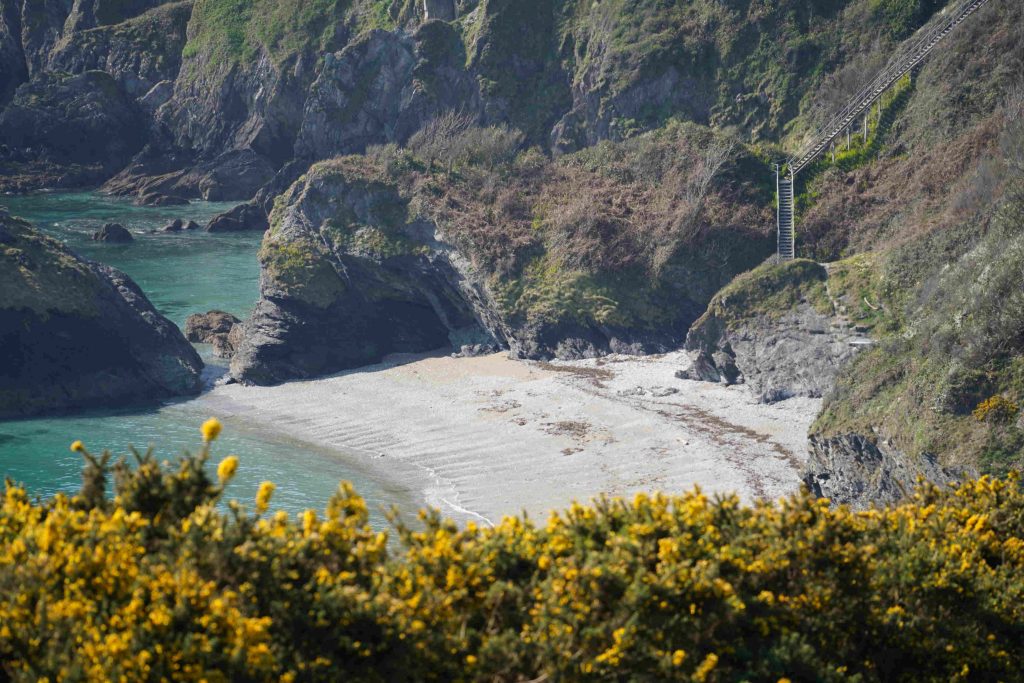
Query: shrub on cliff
[[166, 580]]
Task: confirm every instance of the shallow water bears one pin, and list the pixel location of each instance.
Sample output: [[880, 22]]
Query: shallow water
[[181, 273]]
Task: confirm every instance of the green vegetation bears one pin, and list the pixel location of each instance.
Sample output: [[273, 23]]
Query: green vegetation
[[168, 580], [771, 290], [900, 18], [228, 32], [951, 347], [33, 268], [860, 151], [302, 269]]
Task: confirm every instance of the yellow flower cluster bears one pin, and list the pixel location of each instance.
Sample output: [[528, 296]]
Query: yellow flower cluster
[[161, 583], [997, 408]]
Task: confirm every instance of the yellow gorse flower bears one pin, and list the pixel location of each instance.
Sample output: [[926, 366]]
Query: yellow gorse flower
[[211, 429], [227, 468], [77, 447], [263, 495], [132, 591]]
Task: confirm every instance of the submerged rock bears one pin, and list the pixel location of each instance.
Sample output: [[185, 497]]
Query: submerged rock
[[174, 226], [113, 232], [160, 199], [78, 334]]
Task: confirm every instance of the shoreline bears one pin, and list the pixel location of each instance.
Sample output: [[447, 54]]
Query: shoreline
[[490, 436]]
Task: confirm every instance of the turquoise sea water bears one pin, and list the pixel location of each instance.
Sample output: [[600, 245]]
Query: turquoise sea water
[[181, 273]]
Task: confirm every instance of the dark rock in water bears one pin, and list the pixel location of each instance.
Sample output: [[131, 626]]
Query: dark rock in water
[[234, 175], [174, 226], [158, 199], [113, 232], [74, 334], [202, 327], [192, 225], [241, 218], [221, 329]]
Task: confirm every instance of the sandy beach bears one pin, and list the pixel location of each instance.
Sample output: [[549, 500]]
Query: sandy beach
[[490, 436]]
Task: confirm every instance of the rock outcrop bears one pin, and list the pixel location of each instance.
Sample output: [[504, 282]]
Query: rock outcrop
[[346, 280], [76, 334], [366, 256], [383, 88], [861, 471], [776, 330], [13, 70], [139, 49], [62, 121]]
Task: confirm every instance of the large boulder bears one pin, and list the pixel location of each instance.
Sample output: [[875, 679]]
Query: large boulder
[[78, 334], [201, 328], [113, 232], [222, 330], [381, 291], [244, 217]]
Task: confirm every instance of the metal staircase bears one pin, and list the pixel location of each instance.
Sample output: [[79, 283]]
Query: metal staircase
[[784, 187], [912, 53]]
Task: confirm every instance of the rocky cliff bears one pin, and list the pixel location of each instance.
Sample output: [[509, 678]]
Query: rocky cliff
[[389, 252], [236, 93], [779, 329], [78, 334]]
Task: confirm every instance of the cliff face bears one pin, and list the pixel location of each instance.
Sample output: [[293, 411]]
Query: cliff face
[[236, 93], [77, 334], [779, 329]]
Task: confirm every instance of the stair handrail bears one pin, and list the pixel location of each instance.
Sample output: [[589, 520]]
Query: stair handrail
[[910, 55]]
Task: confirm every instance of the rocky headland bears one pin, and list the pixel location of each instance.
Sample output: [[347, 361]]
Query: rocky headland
[[79, 334]]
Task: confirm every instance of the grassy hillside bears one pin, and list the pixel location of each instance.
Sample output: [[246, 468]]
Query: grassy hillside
[[937, 210]]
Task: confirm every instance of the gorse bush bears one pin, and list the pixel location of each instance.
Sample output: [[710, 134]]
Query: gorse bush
[[161, 582]]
